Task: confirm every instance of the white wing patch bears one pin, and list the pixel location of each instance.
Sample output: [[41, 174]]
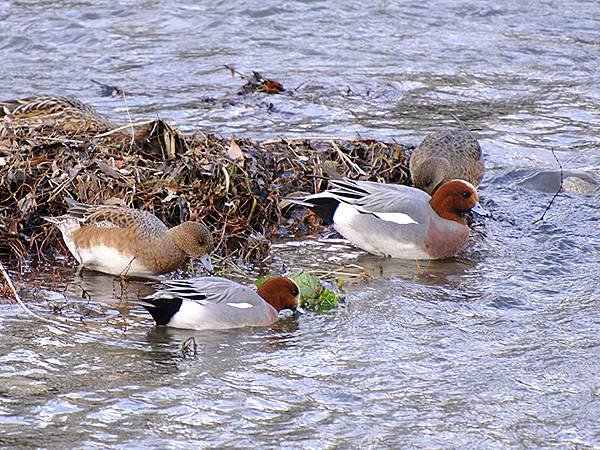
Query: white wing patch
[[241, 305], [399, 218], [345, 213]]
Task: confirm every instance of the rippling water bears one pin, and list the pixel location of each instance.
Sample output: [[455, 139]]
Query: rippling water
[[496, 348]]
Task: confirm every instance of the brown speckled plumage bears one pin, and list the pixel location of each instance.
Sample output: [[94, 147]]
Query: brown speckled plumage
[[446, 155], [132, 236], [64, 114]]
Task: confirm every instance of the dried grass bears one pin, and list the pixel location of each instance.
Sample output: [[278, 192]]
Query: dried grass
[[234, 185]]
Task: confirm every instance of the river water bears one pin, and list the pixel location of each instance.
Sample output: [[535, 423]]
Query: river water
[[497, 348]]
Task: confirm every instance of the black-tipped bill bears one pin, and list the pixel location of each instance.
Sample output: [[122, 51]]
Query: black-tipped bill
[[207, 263], [478, 210]]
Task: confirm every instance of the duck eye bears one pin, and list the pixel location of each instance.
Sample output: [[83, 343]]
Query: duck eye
[[466, 194], [294, 290]]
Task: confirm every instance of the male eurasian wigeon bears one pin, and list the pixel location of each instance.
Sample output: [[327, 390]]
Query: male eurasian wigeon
[[212, 303], [126, 241], [398, 221], [446, 155]]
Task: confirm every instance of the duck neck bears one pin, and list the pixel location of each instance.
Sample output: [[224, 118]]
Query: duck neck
[[179, 238], [443, 208]]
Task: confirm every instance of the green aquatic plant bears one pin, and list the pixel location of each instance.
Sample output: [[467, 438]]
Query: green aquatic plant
[[313, 294]]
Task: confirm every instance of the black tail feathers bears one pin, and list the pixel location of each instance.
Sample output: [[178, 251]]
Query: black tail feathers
[[162, 309], [324, 207]]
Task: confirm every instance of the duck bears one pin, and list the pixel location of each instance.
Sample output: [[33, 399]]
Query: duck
[[215, 303], [398, 221], [445, 155], [63, 114], [125, 241]]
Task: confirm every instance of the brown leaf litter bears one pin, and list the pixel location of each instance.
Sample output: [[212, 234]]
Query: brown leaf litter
[[53, 147]]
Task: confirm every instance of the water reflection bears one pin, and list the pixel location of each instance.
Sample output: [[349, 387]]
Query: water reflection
[[426, 272], [212, 342], [338, 258], [107, 289]]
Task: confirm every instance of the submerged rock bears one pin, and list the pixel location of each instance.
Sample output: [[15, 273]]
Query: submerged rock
[[575, 181]]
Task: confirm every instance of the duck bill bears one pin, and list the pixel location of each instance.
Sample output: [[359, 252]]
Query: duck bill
[[298, 310], [478, 210], [207, 263]]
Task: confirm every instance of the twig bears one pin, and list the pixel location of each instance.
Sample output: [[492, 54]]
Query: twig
[[556, 193], [347, 159], [58, 139], [227, 180], [300, 85], [460, 122], [59, 189], [325, 273], [129, 125], [300, 140], [124, 273], [189, 347], [234, 71], [232, 267], [16, 295], [129, 118]]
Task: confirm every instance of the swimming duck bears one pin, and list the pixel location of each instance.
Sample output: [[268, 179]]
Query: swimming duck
[[125, 241], [64, 114], [211, 303], [398, 221], [445, 155]]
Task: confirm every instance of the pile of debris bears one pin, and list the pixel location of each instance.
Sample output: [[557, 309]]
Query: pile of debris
[[55, 147]]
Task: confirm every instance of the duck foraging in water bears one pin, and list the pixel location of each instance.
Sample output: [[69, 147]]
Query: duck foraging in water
[[213, 303], [398, 221], [126, 241], [446, 155]]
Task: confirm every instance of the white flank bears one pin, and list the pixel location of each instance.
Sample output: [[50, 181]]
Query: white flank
[[191, 315], [399, 218], [241, 305], [109, 260], [344, 214]]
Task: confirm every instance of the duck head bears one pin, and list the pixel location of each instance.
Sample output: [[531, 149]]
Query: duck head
[[281, 293], [454, 199], [429, 177], [195, 240]]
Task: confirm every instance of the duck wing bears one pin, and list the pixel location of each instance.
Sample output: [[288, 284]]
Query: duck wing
[[107, 216], [208, 290], [390, 202]]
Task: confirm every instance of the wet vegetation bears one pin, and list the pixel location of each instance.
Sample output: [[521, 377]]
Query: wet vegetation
[[53, 147]]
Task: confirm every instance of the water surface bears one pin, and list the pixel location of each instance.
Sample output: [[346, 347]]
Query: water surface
[[497, 348]]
